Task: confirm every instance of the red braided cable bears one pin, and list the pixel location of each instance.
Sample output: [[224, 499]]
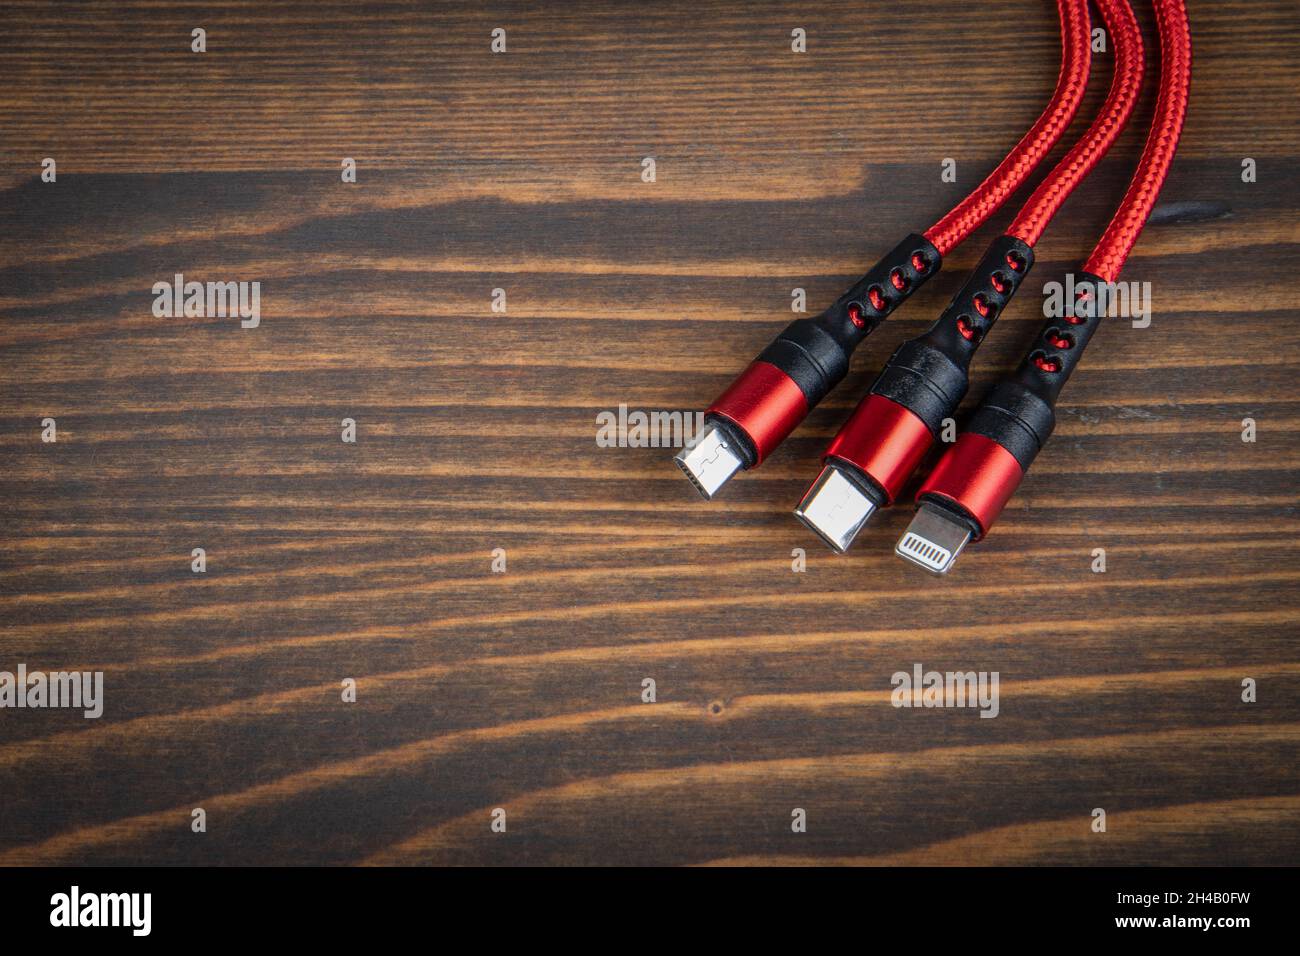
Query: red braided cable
[[1117, 242], [1125, 84], [949, 231]]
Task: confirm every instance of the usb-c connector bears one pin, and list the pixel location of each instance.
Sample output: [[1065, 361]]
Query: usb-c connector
[[836, 507]]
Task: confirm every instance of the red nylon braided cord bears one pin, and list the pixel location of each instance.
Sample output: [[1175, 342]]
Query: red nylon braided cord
[[949, 231], [1117, 242], [1125, 84]]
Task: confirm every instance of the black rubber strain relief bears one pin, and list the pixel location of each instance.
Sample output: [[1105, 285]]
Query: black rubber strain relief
[[810, 356], [924, 380], [815, 351], [929, 374], [980, 301], [1059, 344], [864, 482], [1017, 418], [735, 437]]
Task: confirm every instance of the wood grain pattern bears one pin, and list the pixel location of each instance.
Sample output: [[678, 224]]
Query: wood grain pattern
[[476, 431]]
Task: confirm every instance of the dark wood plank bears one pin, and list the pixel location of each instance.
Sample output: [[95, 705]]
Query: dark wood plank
[[477, 431]]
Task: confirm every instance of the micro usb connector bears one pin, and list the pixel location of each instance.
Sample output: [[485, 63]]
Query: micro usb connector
[[709, 461]]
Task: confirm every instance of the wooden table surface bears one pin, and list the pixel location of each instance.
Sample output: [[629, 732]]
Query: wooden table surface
[[475, 431]]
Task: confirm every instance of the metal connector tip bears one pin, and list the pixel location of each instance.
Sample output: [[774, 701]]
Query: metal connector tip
[[835, 508], [709, 461], [933, 540]]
